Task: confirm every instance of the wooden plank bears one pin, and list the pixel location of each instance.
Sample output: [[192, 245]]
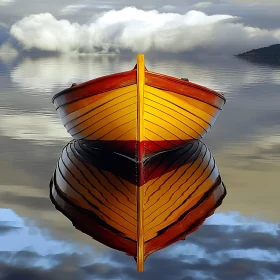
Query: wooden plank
[[140, 132]]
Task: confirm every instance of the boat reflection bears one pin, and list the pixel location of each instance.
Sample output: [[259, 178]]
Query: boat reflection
[[136, 207]]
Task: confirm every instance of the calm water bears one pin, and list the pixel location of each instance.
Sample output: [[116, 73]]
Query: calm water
[[241, 241]]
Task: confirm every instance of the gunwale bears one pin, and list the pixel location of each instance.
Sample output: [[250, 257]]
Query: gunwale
[[99, 85], [122, 79]]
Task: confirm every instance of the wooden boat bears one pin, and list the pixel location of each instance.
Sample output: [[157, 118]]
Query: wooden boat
[[136, 207], [138, 112]]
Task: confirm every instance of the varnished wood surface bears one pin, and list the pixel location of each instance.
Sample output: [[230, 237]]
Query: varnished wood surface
[[90, 224], [165, 113], [136, 177], [98, 191], [190, 221], [139, 165], [185, 88], [93, 87]]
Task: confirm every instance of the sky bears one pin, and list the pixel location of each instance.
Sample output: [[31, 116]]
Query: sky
[[214, 27]]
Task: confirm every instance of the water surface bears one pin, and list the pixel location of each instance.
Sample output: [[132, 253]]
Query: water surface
[[241, 241]]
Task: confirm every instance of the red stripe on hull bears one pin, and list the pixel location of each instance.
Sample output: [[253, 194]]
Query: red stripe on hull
[[185, 88], [94, 87], [118, 80]]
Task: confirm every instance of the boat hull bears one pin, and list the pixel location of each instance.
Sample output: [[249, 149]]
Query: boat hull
[[138, 110]]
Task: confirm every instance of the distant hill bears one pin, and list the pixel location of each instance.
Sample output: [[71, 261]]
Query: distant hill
[[271, 52]]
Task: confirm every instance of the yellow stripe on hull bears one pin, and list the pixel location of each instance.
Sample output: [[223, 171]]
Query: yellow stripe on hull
[[164, 116]]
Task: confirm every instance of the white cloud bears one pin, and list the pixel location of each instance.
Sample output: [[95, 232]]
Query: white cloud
[[230, 223], [33, 240], [251, 254], [7, 52], [141, 31], [168, 8], [6, 2], [235, 219], [72, 9], [40, 241], [202, 5], [184, 249]]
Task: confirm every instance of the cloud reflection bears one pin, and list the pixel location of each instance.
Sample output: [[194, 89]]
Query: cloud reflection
[[43, 75], [225, 247], [38, 128], [47, 73]]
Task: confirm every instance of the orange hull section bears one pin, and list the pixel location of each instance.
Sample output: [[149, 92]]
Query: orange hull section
[[138, 112]]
